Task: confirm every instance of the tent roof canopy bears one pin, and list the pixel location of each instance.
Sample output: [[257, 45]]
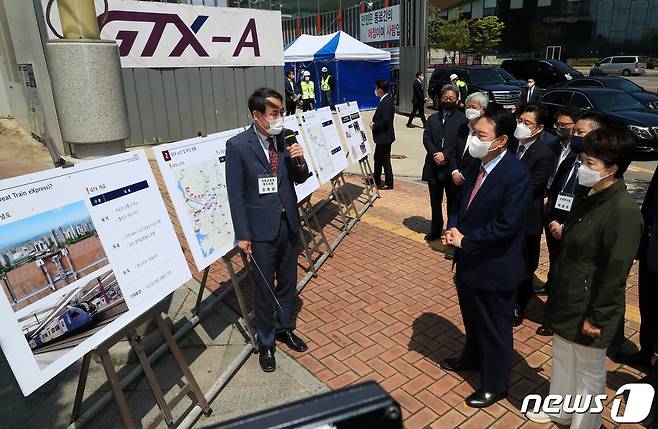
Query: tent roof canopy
[[338, 46]]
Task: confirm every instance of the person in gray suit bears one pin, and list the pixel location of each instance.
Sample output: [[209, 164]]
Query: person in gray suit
[[262, 167]]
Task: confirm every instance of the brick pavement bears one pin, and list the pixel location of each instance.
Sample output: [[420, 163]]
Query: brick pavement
[[384, 308]]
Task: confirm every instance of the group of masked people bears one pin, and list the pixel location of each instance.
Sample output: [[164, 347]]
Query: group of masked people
[[507, 180]]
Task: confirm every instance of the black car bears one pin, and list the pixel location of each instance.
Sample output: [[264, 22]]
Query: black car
[[507, 76], [647, 98], [547, 73], [478, 78], [621, 109]]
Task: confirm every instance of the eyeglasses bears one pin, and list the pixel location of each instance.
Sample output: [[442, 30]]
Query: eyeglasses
[[563, 124], [526, 123], [448, 98], [276, 114]]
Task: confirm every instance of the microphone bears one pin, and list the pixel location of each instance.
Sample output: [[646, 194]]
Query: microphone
[[290, 139]]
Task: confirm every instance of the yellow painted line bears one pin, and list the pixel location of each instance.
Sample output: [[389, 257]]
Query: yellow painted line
[[632, 311]]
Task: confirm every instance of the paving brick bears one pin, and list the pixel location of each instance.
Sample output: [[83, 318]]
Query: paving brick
[[479, 420], [452, 419], [421, 419], [406, 401]]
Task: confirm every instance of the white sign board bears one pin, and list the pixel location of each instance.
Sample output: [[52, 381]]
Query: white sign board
[[380, 25], [194, 173], [312, 183], [324, 143], [85, 251], [153, 34], [354, 129]]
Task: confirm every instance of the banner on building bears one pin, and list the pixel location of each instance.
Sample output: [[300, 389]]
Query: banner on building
[[159, 35], [380, 25]]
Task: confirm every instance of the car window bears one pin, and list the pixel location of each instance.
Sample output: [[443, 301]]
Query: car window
[[485, 77], [617, 101], [605, 60], [580, 101], [623, 84], [584, 82], [505, 74], [557, 97], [642, 60], [623, 60]]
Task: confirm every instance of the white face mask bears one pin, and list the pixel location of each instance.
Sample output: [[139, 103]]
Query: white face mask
[[530, 85], [306, 78], [276, 127], [588, 177], [479, 149], [472, 113], [522, 131]]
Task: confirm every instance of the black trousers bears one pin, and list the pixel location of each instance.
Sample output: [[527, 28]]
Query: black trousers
[[436, 189], [418, 110], [308, 104], [326, 99], [383, 160], [532, 249], [291, 107], [648, 283], [278, 260], [489, 343], [554, 246]]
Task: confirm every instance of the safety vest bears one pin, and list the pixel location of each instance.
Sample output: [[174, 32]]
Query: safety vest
[[461, 84], [324, 83], [308, 90]]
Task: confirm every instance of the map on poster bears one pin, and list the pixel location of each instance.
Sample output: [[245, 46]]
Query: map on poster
[[355, 132], [194, 173], [84, 251], [312, 183], [324, 143]]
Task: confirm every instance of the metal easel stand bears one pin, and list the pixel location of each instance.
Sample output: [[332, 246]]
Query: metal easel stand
[[311, 225], [116, 386], [346, 207], [370, 189]]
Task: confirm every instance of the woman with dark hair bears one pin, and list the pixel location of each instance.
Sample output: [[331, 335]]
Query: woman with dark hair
[[587, 301]]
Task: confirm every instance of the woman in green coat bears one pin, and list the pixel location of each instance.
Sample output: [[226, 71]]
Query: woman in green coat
[[587, 302]]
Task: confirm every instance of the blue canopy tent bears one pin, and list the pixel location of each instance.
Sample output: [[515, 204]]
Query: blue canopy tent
[[353, 65]]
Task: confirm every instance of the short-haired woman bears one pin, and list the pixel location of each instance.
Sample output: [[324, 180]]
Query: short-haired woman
[[587, 301]]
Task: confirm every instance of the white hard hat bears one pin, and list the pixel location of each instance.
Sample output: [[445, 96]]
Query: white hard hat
[[453, 77], [324, 69], [307, 73]]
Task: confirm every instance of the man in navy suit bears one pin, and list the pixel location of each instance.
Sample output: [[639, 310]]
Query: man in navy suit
[[488, 232], [261, 171]]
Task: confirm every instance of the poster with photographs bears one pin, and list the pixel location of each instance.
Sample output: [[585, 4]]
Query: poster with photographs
[[303, 190], [324, 143], [352, 125]]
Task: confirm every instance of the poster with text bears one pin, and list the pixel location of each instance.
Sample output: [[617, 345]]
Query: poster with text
[[83, 252], [355, 132], [324, 143], [312, 183], [194, 172]]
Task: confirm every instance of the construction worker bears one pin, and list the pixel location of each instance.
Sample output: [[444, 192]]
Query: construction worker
[[325, 88], [308, 92], [463, 89]]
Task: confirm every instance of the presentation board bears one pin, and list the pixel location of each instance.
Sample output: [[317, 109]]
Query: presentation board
[[84, 251], [194, 174], [312, 183], [324, 143], [352, 125]]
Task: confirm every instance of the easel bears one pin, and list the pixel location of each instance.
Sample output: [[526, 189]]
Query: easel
[[370, 189], [135, 340], [345, 206], [311, 225], [236, 281]]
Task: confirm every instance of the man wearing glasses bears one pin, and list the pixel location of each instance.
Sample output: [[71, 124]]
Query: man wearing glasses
[[261, 171], [535, 150]]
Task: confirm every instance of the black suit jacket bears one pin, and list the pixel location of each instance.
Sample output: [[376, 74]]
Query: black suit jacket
[[559, 181], [540, 160], [649, 244], [383, 131], [463, 158], [419, 93], [534, 98], [441, 137], [291, 89]]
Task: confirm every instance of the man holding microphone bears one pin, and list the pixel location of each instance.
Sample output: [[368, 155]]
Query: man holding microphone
[[262, 168]]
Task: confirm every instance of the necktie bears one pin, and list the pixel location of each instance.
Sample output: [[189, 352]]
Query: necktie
[[274, 157], [529, 94], [476, 188], [520, 151]]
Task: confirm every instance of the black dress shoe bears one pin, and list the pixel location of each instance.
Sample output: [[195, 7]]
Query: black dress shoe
[[544, 331], [266, 359], [432, 236], [452, 364], [517, 319], [292, 341], [479, 399]]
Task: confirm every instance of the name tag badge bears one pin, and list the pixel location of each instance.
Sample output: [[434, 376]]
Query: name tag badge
[[267, 184], [564, 202]]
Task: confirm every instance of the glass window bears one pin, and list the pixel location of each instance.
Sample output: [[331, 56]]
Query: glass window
[[623, 60], [615, 102], [605, 61], [557, 97], [516, 4], [584, 82], [623, 84], [485, 77], [542, 3], [580, 101]]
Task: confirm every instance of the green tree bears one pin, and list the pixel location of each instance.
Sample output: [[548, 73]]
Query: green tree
[[485, 34], [449, 35]]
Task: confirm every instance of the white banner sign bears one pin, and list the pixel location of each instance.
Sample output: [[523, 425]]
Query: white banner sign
[[324, 143], [381, 25], [354, 129], [84, 251], [194, 173], [311, 184], [158, 34]]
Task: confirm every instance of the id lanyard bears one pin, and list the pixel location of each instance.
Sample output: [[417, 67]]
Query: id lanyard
[[564, 200]]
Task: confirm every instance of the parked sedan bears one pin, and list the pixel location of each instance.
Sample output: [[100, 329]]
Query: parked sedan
[[647, 98], [509, 78], [621, 109]]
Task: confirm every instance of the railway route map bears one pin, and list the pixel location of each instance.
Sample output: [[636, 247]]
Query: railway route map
[[352, 125], [324, 143], [194, 174]]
